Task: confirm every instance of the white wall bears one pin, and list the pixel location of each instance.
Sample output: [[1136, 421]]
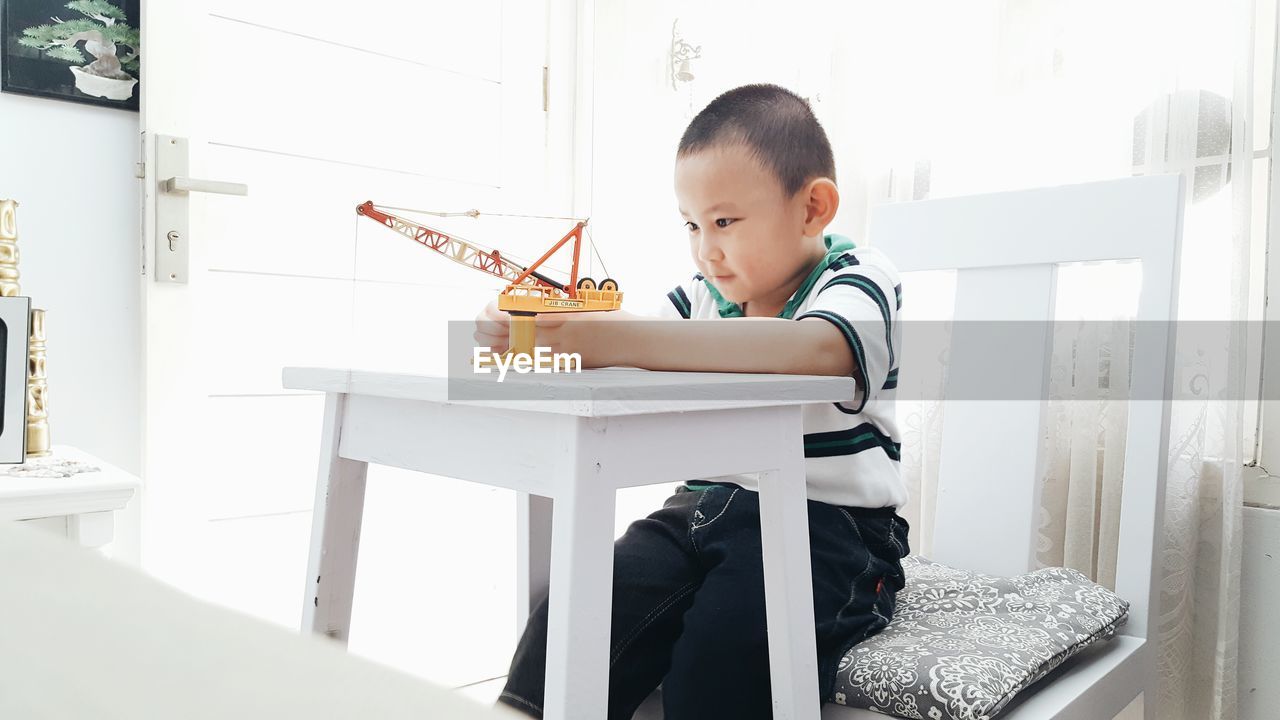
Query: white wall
[[1259, 584], [70, 167]]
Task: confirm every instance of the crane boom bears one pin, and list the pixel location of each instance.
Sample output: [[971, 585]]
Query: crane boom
[[459, 250], [528, 292]]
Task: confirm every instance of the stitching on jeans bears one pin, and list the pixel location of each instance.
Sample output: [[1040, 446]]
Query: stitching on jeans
[[650, 619], [520, 700], [875, 604], [893, 537], [697, 510], [717, 517], [646, 620], [853, 589]]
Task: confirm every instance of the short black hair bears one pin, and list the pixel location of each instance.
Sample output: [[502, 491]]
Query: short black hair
[[776, 126]]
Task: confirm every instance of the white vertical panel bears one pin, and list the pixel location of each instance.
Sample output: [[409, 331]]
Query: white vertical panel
[[988, 484]]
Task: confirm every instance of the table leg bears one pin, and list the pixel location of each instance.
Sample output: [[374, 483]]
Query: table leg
[[581, 599], [93, 529], [788, 580], [335, 532], [533, 553]]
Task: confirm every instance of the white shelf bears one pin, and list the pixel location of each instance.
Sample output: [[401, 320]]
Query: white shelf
[[25, 498]]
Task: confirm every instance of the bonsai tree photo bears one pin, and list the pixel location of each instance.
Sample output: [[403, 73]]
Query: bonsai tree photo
[[102, 29]]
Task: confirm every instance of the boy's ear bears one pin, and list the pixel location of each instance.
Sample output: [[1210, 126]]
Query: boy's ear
[[821, 200]]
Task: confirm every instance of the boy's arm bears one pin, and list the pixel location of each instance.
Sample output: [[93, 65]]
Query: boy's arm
[[846, 331], [747, 345], [849, 329]]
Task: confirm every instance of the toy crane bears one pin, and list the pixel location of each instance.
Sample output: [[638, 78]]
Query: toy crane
[[528, 292]]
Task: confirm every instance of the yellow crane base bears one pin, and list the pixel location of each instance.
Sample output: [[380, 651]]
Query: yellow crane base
[[526, 299], [525, 302]]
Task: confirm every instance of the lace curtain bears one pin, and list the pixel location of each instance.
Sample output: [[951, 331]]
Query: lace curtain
[[948, 99]]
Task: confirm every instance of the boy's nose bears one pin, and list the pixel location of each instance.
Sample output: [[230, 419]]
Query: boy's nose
[[709, 251]]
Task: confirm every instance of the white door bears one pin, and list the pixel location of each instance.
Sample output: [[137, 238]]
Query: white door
[[317, 106]]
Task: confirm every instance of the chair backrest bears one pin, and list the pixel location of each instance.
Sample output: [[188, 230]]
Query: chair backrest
[[1005, 248]]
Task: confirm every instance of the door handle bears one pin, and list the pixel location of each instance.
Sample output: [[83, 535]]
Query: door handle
[[173, 188], [188, 185]]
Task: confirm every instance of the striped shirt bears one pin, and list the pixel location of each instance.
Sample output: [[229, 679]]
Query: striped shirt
[[851, 448]]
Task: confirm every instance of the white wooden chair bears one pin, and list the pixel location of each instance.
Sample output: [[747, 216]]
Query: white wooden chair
[[1007, 245], [1005, 248]]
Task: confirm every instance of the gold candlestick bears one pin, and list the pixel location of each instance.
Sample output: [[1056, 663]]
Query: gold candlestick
[[37, 390], [9, 249]]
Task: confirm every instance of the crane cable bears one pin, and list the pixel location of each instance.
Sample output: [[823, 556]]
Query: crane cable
[[596, 252], [476, 213]]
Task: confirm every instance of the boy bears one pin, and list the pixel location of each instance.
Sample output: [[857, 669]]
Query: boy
[[755, 181]]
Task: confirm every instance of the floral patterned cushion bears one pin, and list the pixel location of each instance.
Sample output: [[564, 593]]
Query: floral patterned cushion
[[961, 644]]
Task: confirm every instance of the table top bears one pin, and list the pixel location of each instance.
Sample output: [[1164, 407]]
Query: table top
[[25, 496], [591, 393], [97, 639]]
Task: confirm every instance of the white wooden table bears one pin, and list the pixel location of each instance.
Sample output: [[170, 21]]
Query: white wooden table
[[81, 506], [584, 437]]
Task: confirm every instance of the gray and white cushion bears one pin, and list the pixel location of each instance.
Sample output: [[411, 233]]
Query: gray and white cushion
[[962, 644]]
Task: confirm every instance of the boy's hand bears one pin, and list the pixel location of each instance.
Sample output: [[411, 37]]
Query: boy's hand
[[493, 328], [585, 333]]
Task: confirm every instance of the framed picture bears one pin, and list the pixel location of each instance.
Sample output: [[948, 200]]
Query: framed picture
[[15, 320], [83, 50]]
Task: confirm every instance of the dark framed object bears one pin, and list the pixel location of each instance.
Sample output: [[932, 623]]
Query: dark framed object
[[15, 331], [85, 51]]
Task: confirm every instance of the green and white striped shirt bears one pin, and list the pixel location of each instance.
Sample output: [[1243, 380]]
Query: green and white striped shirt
[[851, 448]]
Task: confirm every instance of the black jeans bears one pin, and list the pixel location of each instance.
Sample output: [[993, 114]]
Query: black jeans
[[688, 605]]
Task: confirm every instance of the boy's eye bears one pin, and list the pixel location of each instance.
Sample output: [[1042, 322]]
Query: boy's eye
[[720, 223]]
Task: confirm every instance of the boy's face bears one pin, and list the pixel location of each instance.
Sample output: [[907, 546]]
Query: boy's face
[[745, 235]]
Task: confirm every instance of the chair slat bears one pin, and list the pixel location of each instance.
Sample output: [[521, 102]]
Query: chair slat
[[985, 517]]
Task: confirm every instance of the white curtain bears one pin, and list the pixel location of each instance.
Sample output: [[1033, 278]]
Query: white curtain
[[935, 98]]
